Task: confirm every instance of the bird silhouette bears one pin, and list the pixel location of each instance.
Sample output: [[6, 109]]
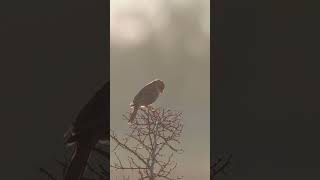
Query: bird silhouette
[[90, 127], [146, 96]]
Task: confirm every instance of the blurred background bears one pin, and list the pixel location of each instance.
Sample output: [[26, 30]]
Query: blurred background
[[53, 60], [169, 40]]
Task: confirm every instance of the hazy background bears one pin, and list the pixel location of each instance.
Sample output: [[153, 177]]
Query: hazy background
[[168, 40], [53, 59], [266, 96]]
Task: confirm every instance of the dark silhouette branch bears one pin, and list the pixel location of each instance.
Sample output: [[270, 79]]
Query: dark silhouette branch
[[220, 165], [99, 171], [50, 176]]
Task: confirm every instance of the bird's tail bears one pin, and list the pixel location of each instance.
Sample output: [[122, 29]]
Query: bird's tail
[[78, 163], [133, 114]]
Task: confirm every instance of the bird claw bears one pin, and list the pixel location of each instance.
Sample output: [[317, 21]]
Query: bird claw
[[150, 108]]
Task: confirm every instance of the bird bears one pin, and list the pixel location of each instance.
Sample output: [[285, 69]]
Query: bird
[[90, 127], [146, 96]]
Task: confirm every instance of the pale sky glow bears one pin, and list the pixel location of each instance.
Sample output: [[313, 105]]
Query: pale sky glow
[[128, 19], [126, 23]]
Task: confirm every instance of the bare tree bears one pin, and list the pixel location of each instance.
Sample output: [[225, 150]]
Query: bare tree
[[151, 144]]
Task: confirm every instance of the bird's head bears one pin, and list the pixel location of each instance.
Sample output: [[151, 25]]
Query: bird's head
[[160, 84]]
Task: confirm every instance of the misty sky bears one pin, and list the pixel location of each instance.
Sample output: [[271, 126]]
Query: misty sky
[[170, 41]]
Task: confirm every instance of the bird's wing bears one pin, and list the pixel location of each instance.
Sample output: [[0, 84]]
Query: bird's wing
[[93, 116], [90, 126], [144, 94]]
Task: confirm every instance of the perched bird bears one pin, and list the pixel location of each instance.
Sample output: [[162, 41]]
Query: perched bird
[[146, 96], [90, 127]]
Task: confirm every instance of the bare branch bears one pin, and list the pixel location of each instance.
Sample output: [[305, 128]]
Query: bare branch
[[220, 165], [50, 176], [154, 134]]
